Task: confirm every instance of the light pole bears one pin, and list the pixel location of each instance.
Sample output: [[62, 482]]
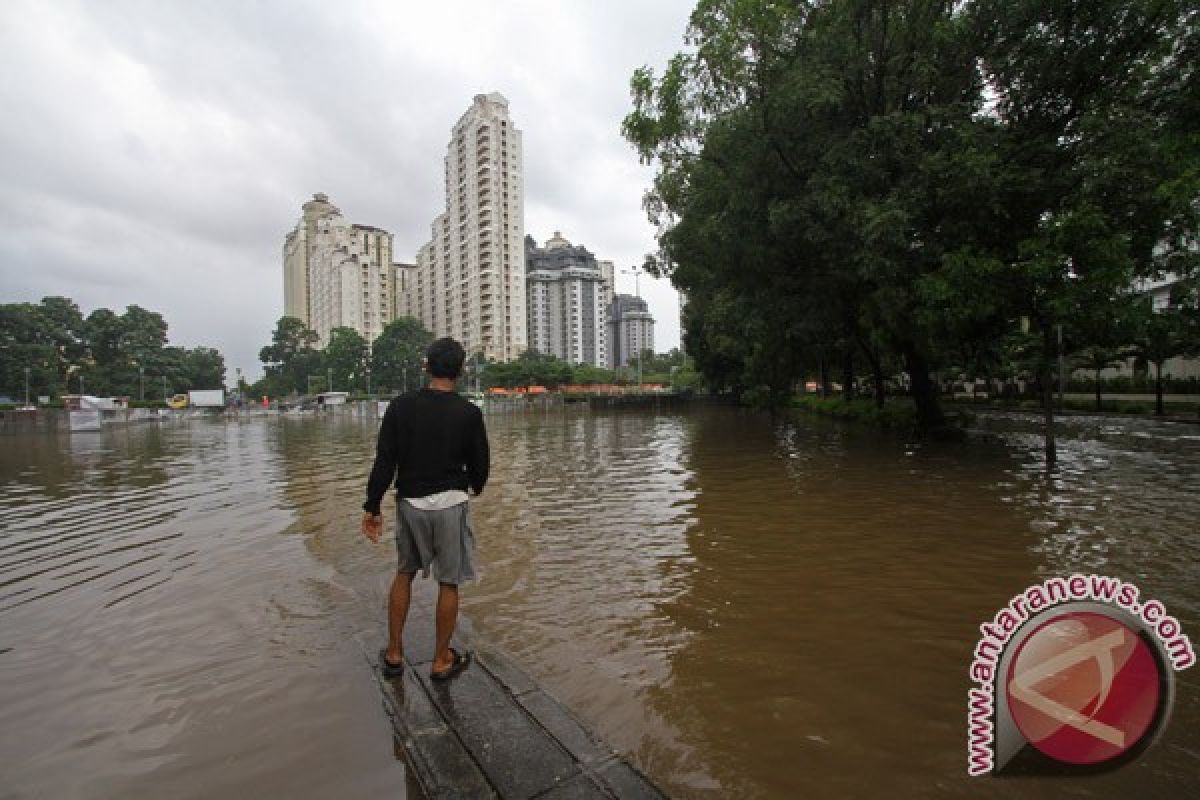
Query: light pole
[[368, 370], [27, 372]]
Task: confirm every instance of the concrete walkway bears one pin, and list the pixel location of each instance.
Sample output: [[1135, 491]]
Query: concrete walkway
[[491, 731]]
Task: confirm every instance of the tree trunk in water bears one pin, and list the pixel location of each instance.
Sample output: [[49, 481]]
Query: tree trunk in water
[[1158, 389], [1045, 379], [924, 391], [848, 375], [1098, 403], [880, 390], [826, 389]]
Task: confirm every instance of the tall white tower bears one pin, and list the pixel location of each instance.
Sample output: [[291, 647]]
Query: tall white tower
[[469, 281]]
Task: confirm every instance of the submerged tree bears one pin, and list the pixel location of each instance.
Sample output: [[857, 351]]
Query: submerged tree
[[910, 180]]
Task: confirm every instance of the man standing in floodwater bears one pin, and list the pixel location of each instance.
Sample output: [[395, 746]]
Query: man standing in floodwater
[[434, 444]]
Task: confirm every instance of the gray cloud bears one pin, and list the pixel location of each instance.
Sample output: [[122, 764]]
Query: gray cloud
[[157, 152]]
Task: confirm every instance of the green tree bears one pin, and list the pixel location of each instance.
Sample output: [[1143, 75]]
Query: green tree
[[45, 339], [589, 375], [346, 355], [62, 326], [114, 354], [529, 369], [107, 362], [398, 353], [807, 153], [1098, 182], [203, 368], [912, 179], [291, 357], [1159, 335], [685, 378]]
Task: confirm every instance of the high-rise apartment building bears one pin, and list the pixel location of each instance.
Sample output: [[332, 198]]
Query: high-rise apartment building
[[406, 281], [568, 292], [338, 274], [631, 329], [469, 280]]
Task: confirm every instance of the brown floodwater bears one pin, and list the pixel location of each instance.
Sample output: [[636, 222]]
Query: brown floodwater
[[748, 607]]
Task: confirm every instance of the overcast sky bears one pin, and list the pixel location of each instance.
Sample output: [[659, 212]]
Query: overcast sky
[[156, 153]]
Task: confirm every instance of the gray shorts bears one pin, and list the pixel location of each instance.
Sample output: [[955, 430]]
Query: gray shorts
[[442, 539]]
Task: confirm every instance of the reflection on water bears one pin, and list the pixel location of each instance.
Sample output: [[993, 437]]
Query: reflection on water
[[750, 608], [759, 609], [165, 632]]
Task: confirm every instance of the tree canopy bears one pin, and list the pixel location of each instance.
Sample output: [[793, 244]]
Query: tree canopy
[[910, 183], [397, 354], [105, 353]]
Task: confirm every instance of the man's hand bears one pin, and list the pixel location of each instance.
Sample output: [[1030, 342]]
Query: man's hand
[[372, 526]]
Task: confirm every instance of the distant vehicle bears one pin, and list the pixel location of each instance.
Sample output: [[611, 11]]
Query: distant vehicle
[[206, 398], [332, 398], [178, 401]]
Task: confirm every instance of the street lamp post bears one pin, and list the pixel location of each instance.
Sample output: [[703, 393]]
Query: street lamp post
[[27, 372]]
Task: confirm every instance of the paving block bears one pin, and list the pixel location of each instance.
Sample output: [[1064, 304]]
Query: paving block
[[627, 783], [519, 758], [569, 732], [444, 769]]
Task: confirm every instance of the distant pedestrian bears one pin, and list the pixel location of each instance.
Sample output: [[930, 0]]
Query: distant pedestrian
[[434, 445]]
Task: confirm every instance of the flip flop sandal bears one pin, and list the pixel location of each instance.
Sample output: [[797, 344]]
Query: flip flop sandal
[[461, 660], [390, 670]]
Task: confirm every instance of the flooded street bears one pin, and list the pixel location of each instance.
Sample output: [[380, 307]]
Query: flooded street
[[748, 607]]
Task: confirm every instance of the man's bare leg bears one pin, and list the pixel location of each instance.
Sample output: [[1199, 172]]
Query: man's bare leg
[[445, 621], [398, 600]]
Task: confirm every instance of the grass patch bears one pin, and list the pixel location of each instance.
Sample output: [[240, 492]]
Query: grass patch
[[1108, 405], [894, 414]]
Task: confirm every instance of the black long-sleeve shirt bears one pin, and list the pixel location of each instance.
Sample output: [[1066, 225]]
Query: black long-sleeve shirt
[[430, 441]]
